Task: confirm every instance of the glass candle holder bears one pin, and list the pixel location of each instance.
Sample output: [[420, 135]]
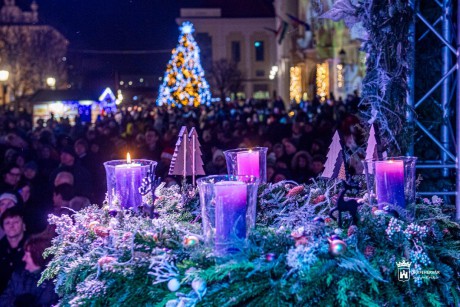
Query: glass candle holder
[[129, 185], [247, 162], [391, 181], [228, 210]]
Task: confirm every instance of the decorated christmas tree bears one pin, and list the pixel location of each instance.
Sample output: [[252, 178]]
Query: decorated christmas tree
[[184, 83]]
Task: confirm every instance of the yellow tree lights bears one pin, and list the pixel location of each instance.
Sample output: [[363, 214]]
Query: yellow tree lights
[[295, 86], [184, 83], [322, 80]]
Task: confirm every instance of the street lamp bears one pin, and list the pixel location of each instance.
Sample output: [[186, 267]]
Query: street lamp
[[4, 74], [51, 82]]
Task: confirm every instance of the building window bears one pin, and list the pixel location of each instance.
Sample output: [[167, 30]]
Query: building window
[[236, 52], [260, 73], [259, 47], [204, 40], [261, 91]]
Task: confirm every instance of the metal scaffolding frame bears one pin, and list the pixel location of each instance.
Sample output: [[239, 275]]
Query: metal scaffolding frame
[[449, 83]]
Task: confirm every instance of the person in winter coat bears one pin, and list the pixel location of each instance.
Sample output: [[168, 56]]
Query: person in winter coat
[[22, 290]]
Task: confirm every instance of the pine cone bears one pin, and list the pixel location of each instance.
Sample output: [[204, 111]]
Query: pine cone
[[295, 191]]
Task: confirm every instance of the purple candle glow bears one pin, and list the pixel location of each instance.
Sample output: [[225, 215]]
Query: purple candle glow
[[231, 198], [248, 163], [128, 179], [389, 177]]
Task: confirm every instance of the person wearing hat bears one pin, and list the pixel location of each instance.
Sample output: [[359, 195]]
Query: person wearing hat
[[7, 200], [69, 163]]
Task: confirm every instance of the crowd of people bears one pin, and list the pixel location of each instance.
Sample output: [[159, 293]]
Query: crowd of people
[[49, 167]]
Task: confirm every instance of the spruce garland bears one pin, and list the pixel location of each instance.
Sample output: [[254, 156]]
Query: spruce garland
[[100, 260], [383, 26]]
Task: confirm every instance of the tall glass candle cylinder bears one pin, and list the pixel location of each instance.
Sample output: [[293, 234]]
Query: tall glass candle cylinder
[[391, 181], [247, 162], [125, 179], [228, 210]]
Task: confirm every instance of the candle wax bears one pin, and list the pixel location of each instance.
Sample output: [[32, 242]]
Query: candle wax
[[231, 197], [128, 179], [248, 163], [389, 177]]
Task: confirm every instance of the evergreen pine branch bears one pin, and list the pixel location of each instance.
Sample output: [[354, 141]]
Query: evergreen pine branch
[[433, 299], [366, 300], [360, 264], [344, 285]]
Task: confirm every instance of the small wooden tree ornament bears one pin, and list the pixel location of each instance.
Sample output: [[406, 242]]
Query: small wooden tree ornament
[[373, 146], [335, 163], [186, 160]]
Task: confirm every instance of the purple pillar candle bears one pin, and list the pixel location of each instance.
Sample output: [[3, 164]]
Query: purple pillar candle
[[231, 198], [128, 179], [389, 177], [248, 163]]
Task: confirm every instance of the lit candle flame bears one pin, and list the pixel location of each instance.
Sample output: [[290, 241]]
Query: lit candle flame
[[128, 158]]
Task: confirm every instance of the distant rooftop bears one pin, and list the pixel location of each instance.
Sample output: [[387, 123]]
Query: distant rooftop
[[230, 9], [64, 95], [199, 12]]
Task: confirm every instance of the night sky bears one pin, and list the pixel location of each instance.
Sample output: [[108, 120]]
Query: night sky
[[127, 25]]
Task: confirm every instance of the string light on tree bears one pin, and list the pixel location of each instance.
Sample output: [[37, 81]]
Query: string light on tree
[[295, 87], [322, 80], [340, 77], [184, 83]]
